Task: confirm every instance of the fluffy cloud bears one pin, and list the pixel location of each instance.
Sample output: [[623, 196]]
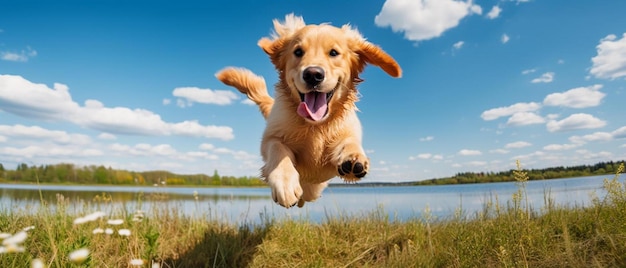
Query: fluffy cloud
[[458, 45], [22, 56], [574, 122], [39, 133], [494, 12], [24, 98], [427, 138], [610, 63], [496, 113], [525, 118], [619, 133], [504, 39], [560, 147], [517, 145], [424, 19], [580, 97], [544, 78], [597, 136], [466, 152], [206, 96]]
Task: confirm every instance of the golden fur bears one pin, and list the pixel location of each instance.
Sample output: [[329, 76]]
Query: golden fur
[[304, 146]]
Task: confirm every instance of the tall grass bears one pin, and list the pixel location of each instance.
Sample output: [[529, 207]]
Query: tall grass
[[509, 235]]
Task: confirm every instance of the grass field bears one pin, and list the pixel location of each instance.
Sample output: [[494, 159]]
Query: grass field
[[513, 235]]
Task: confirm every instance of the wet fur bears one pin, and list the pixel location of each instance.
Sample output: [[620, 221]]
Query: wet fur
[[300, 155]]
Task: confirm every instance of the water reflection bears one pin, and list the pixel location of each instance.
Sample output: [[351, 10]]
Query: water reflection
[[239, 205]]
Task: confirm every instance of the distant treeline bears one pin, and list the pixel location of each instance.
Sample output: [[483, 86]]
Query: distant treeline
[[72, 174], [601, 168]]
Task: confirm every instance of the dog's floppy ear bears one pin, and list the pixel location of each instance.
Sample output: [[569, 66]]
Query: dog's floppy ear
[[370, 53], [283, 30]]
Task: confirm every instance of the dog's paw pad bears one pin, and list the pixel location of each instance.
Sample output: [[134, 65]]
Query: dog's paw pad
[[352, 168]]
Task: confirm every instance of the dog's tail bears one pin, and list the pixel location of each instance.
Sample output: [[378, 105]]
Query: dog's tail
[[250, 84]]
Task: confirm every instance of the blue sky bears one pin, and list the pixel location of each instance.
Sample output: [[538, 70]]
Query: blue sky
[[130, 84]]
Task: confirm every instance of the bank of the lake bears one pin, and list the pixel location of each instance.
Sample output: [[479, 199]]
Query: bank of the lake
[[507, 234]]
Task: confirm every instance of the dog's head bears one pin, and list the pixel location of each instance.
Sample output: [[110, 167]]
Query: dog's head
[[320, 64]]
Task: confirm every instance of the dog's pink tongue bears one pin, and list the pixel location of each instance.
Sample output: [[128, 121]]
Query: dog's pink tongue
[[314, 106]]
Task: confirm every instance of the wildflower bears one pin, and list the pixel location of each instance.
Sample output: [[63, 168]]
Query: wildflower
[[14, 248], [124, 232], [115, 222], [98, 231], [17, 238], [37, 263], [136, 262], [108, 231], [79, 256], [156, 265], [91, 217], [5, 236], [138, 216]]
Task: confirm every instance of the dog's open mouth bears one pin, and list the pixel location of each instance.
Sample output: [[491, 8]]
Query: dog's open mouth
[[314, 105]]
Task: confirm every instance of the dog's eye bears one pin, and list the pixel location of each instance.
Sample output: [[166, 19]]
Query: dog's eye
[[333, 53], [298, 52]]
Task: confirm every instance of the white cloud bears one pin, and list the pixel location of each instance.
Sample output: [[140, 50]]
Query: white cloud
[[544, 78], [581, 97], [597, 136], [619, 133], [39, 133], [504, 39], [206, 96], [427, 138], [22, 56], [574, 122], [496, 113], [610, 63], [424, 19], [525, 118], [3, 138], [499, 151], [24, 98], [466, 152], [167, 101], [424, 156], [560, 147], [458, 45], [238, 155], [517, 145], [494, 12], [107, 136], [248, 102], [528, 71]]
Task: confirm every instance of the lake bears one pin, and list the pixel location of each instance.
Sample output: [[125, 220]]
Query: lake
[[251, 205]]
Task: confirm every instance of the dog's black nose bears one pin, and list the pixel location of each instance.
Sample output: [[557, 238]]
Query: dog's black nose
[[313, 76]]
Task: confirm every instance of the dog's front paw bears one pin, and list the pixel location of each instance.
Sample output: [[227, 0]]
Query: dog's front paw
[[286, 189], [354, 168]]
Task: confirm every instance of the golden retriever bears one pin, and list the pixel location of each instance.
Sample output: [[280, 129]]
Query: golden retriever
[[312, 133]]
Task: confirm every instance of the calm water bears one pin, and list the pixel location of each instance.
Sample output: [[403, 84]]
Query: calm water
[[244, 205]]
